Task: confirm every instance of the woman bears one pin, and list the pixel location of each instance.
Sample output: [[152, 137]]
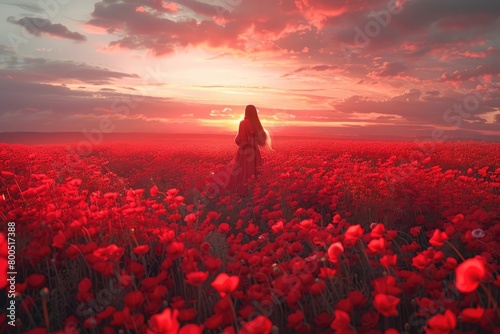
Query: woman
[[251, 135]]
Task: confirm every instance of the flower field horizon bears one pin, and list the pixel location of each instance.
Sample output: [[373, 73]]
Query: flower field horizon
[[334, 236]]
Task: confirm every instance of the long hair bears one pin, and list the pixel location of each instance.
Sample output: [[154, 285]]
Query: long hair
[[261, 134]]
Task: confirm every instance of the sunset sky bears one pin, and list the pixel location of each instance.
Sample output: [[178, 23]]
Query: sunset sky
[[353, 67]]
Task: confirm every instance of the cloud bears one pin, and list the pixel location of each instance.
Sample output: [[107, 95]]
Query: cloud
[[479, 71], [226, 112], [312, 68], [449, 29], [238, 26], [390, 69], [283, 116], [32, 7], [6, 53], [36, 26], [428, 26], [461, 111], [51, 71], [32, 106]]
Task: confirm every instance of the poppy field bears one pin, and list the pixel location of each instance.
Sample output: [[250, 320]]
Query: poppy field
[[334, 236]]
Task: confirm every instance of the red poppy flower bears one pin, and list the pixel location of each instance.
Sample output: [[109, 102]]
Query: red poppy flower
[[295, 319], [246, 311], [6, 174], [415, 231], [192, 329], [107, 313], [174, 249], [386, 304], [258, 325], [323, 319], [111, 252], [153, 191], [334, 251], [385, 285], [196, 278], [441, 323], [35, 281], [190, 218], [411, 247], [157, 293], [469, 274], [164, 323], [438, 238], [149, 283], [228, 330], [125, 280], [21, 287], [326, 273], [344, 305], [277, 227], [255, 261], [136, 268], [252, 229], [187, 314], [141, 250], [450, 230], [357, 298], [292, 297], [496, 282], [458, 218], [255, 292], [377, 245], [212, 263], [84, 293], [420, 261], [391, 234], [377, 231], [225, 284], [317, 287], [450, 263], [106, 268], [370, 319], [134, 299], [472, 314], [352, 235], [59, 240], [205, 247], [341, 322], [215, 321], [223, 227], [388, 260]]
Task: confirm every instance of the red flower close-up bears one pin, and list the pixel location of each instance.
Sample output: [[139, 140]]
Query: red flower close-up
[[469, 274], [387, 305], [164, 323], [225, 284]]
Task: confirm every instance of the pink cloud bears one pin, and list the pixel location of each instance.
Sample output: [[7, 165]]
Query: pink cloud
[[170, 6], [464, 54], [389, 70]]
